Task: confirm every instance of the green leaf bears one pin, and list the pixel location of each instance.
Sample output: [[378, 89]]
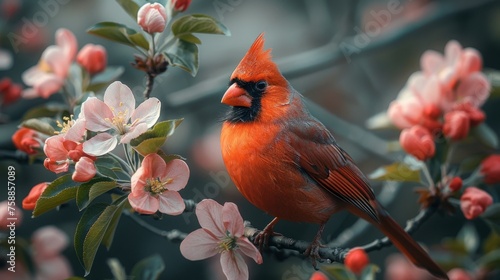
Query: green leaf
[[117, 269], [369, 272], [491, 260], [91, 230], [148, 269], [397, 171], [131, 7], [190, 38], [109, 235], [39, 125], [492, 242], [90, 190], [183, 54], [61, 190], [492, 216], [119, 33], [469, 237], [198, 23], [339, 272], [103, 79], [486, 135], [151, 141], [456, 246], [45, 110]]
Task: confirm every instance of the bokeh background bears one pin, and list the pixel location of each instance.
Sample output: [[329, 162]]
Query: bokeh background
[[345, 56]]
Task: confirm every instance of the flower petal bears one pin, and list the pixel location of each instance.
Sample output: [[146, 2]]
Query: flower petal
[[178, 171], [431, 62], [474, 89], [97, 115], [120, 99], [100, 144], [54, 57], [209, 214], [147, 112], [67, 41], [54, 148], [153, 166], [77, 131], [199, 245], [134, 132], [84, 170], [233, 266], [171, 203], [144, 204], [249, 249], [231, 217]]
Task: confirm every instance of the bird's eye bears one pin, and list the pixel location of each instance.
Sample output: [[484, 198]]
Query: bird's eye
[[261, 85]]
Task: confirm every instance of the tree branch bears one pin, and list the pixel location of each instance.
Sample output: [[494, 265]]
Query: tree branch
[[284, 247]]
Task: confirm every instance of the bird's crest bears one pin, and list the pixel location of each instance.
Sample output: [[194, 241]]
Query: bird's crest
[[257, 64]]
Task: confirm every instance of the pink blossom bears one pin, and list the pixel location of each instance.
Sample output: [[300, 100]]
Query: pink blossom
[[155, 186], [474, 202], [9, 212], [456, 125], [398, 268], [152, 17], [48, 242], [459, 274], [490, 169], [117, 114], [418, 142], [61, 153], [222, 232], [92, 58], [417, 103], [29, 202], [48, 76]]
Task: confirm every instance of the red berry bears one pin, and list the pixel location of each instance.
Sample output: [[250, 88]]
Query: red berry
[[356, 260]]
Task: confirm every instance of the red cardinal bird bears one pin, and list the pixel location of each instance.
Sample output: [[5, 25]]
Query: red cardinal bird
[[287, 163]]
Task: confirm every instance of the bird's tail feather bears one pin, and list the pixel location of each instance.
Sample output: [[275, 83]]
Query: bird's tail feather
[[406, 244]]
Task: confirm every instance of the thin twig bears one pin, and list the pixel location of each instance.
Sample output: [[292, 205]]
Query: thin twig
[[171, 235], [411, 226], [149, 85]]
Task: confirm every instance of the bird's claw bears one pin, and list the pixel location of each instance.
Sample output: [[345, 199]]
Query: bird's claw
[[313, 252], [262, 238]]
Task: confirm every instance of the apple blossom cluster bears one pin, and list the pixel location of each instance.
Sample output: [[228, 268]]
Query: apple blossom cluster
[[80, 140], [442, 104], [444, 98]]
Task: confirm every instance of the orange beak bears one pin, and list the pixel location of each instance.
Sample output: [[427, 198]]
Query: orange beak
[[237, 97]]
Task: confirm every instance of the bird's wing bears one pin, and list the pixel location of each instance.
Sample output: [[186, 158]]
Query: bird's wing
[[318, 155]]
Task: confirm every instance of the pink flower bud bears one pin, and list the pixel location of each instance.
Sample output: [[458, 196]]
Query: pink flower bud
[[356, 260], [459, 274], [181, 5], [474, 202], [26, 140], [490, 169], [93, 58], [9, 91], [418, 142], [152, 17], [456, 125], [84, 170], [29, 202], [456, 184], [9, 213], [318, 275]]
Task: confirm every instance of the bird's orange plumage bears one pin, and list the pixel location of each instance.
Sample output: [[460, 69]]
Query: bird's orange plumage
[[287, 163]]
